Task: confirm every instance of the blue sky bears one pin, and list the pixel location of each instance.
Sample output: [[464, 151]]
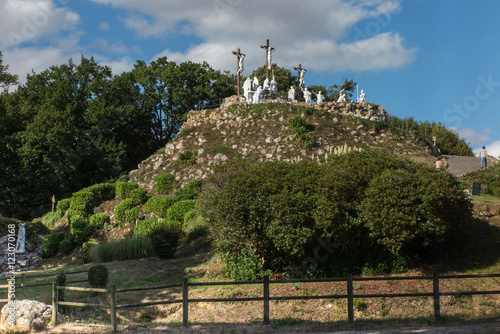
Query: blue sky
[[432, 60]]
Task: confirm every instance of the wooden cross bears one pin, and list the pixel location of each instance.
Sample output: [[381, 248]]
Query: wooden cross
[[268, 49], [301, 76], [239, 67]]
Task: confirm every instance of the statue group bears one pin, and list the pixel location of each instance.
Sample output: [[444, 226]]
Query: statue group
[[255, 93]]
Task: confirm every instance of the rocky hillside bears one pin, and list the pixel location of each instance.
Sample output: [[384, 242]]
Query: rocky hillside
[[261, 133]]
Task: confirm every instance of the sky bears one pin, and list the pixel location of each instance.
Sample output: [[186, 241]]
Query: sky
[[433, 60]]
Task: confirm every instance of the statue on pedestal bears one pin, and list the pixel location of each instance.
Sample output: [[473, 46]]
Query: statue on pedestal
[[267, 84], [255, 83], [307, 95], [319, 97], [21, 239], [258, 96], [274, 85], [341, 96], [247, 88], [362, 97]]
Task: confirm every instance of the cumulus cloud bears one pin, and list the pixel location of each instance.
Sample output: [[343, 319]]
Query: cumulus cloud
[[24, 21], [302, 32], [473, 137]]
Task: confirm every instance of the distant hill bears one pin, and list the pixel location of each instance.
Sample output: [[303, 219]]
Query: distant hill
[[261, 133]]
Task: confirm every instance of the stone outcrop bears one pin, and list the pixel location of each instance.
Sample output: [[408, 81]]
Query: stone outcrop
[[29, 315], [31, 259]]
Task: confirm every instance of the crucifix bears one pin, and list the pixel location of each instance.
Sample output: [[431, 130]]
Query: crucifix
[[239, 66], [269, 51], [301, 71]]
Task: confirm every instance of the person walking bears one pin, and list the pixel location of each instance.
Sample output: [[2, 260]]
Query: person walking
[[483, 155]]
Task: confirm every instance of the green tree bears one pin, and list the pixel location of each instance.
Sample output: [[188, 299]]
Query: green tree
[[6, 79]]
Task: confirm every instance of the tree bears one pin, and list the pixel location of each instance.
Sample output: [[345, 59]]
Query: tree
[[6, 79]]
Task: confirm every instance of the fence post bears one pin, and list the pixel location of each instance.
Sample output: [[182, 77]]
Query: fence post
[[112, 292], [24, 283], [437, 307], [350, 298], [266, 300], [185, 302], [54, 304]]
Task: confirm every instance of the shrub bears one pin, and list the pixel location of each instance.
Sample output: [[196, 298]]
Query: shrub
[[195, 228], [51, 244], [124, 189], [82, 205], [298, 126], [79, 231], [159, 205], [165, 183], [124, 212], [165, 240], [34, 229], [190, 191], [244, 266], [179, 209], [50, 218], [87, 246], [63, 206], [66, 245], [190, 215], [188, 157], [103, 191], [98, 220], [98, 276], [61, 281], [139, 196], [124, 249], [145, 227]]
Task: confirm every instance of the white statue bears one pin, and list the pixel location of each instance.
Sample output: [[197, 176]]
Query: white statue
[[255, 83], [269, 57], [240, 64], [291, 94], [267, 85], [301, 78], [21, 239], [258, 96], [362, 97], [274, 85], [307, 96], [247, 88], [341, 96], [319, 97]]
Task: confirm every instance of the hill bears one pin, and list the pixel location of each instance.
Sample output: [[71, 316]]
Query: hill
[[261, 133]]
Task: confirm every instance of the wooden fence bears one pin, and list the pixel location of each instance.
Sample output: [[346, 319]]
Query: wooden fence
[[23, 286], [266, 298]]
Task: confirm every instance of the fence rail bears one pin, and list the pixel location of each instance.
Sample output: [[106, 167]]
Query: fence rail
[[266, 298]]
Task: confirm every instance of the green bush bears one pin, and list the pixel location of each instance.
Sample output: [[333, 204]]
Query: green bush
[[79, 231], [159, 205], [121, 250], [139, 196], [103, 192], [35, 229], [190, 215], [165, 183], [244, 266], [165, 240], [98, 276], [82, 205], [298, 126], [179, 209], [50, 218], [86, 247], [145, 227], [196, 228], [124, 189], [63, 206], [126, 212], [51, 244], [98, 220], [66, 246], [188, 157], [189, 191]]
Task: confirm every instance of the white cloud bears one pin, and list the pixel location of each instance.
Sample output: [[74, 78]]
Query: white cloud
[[104, 26], [475, 138], [116, 47], [24, 21], [306, 32]]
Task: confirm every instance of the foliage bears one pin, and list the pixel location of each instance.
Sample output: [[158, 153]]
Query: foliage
[[190, 215], [188, 157], [6, 79], [51, 244], [49, 219], [124, 189], [98, 276], [121, 250], [283, 76], [165, 240], [244, 266], [99, 220], [82, 205], [126, 211], [61, 281], [79, 231], [280, 213], [63, 206], [103, 192], [489, 179], [66, 245], [298, 126], [447, 140], [159, 205], [86, 247], [177, 211], [165, 183], [139, 196], [189, 191]]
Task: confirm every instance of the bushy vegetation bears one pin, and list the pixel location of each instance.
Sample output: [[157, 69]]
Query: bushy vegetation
[[282, 214], [63, 206], [165, 183], [82, 205], [80, 231], [125, 249], [51, 244], [99, 220], [177, 211], [98, 276], [126, 211], [124, 189], [189, 191], [298, 126], [165, 240], [146, 227], [489, 179], [159, 205], [188, 157]]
